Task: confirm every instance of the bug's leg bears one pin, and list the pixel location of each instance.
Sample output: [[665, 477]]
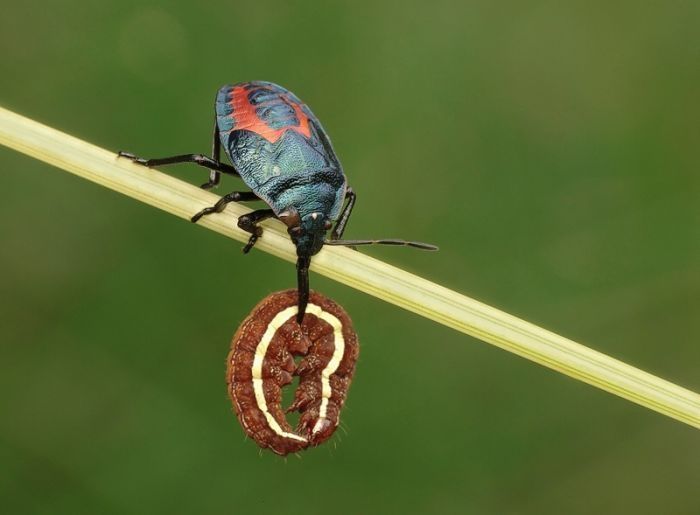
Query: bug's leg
[[339, 228], [234, 196], [214, 176], [302, 285], [249, 223], [199, 159]]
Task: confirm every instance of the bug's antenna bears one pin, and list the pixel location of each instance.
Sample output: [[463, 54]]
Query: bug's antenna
[[302, 285], [352, 243]]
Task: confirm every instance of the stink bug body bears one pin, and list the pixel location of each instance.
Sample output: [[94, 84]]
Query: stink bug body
[[282, 153]]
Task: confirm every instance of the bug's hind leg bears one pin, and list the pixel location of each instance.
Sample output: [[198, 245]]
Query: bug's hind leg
[[234, 196], [249, 223], [214, 164], [199, 159]]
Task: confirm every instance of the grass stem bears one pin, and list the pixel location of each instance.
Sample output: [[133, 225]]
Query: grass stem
[[355, 269]]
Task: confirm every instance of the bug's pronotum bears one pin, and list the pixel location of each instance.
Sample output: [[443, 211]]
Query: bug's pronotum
[[261, 362]]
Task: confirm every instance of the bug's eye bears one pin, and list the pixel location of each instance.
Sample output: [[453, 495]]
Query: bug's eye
[[296, 230], [327, 225], [290, 217]]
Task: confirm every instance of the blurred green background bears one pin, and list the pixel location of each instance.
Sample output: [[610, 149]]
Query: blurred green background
[[550, 149]]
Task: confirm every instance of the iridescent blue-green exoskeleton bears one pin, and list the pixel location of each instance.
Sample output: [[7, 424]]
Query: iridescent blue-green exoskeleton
[[280, 150]]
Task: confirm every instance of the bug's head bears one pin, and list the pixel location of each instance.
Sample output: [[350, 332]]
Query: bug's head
[[308, 233]]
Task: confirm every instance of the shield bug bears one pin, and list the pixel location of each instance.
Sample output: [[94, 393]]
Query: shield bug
[[282, 153], [261, 362]]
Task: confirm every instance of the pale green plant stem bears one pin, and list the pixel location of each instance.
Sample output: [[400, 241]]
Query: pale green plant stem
[[357, 270]]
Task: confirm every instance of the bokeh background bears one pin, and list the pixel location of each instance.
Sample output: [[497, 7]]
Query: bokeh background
[[549, 148]]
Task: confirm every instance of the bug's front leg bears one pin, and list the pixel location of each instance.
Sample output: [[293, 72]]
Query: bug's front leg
[[249, 223], [234, 196], [339, 228]]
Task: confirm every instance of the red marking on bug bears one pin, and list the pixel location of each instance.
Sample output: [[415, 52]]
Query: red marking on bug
[[261, 362], [246, 117]]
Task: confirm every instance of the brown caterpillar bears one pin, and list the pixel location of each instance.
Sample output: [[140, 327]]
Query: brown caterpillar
[[261, 362]]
